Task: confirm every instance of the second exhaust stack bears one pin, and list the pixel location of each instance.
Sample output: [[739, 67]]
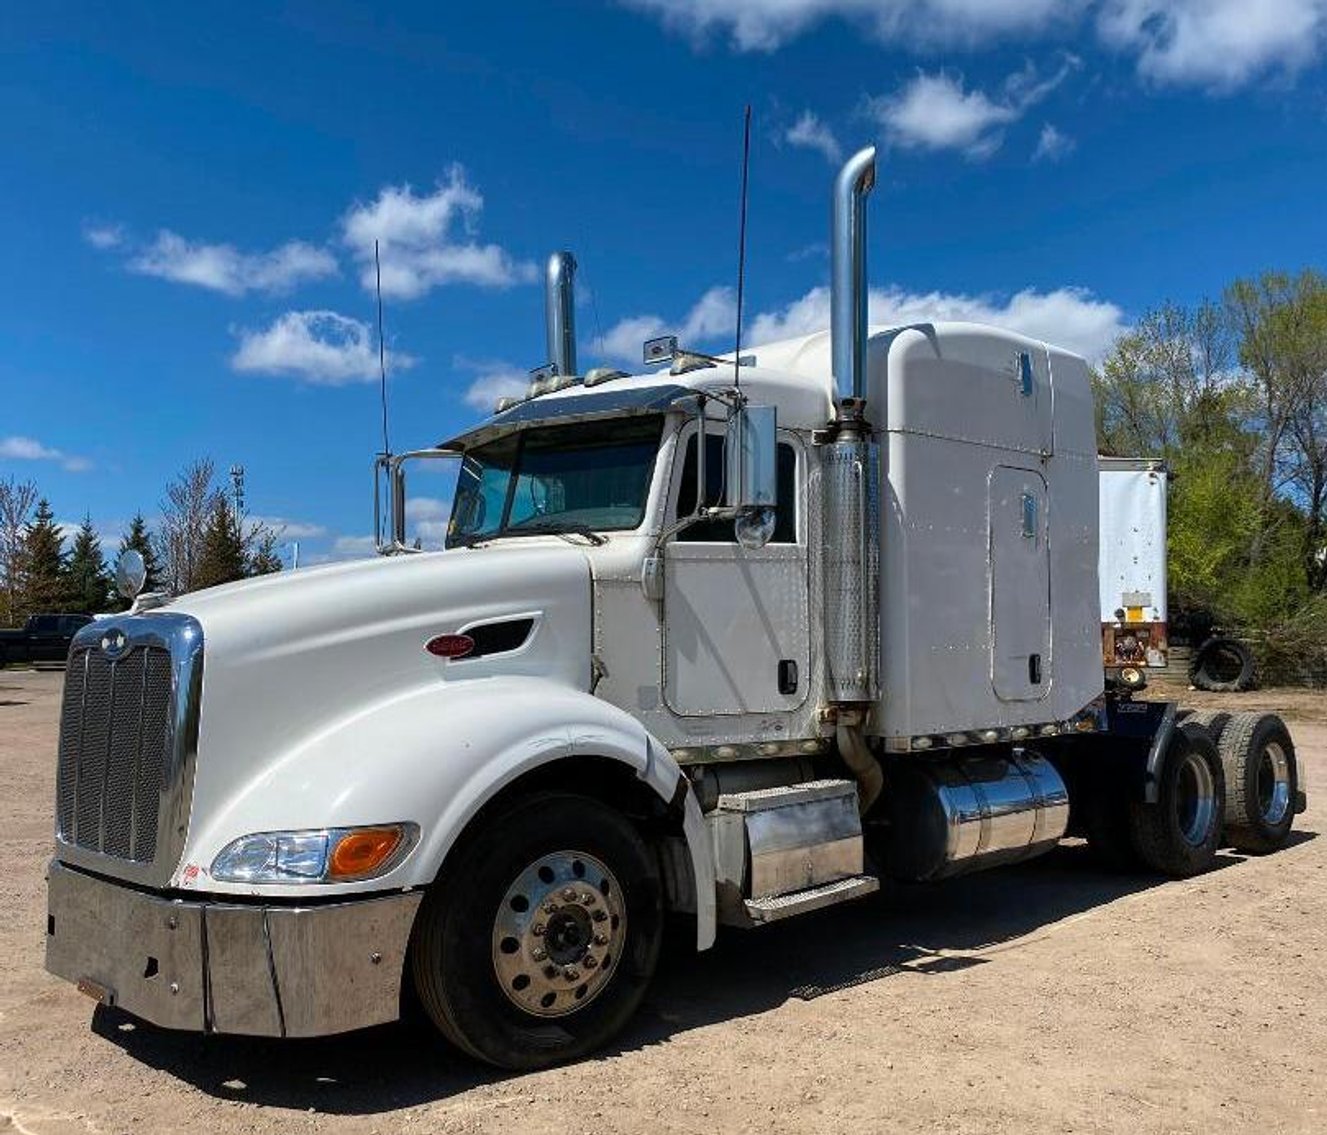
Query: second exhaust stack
[[847, 302], [560, 312]]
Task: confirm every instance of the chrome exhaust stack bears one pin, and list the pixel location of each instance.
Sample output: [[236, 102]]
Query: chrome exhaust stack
[[560, 313], [848, 290], [850, 488]]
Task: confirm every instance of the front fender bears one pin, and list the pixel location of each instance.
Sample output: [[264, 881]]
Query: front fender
[[435, 756]]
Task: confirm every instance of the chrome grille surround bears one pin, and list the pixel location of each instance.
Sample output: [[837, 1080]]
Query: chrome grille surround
[[129, 745]]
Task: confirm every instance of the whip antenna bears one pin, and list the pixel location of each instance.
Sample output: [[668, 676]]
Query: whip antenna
[[741, 246], [382, 352]]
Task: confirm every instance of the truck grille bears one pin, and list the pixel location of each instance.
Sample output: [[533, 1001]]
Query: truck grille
[[116, 733]]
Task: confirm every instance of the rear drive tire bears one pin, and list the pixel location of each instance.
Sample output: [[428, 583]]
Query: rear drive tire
[[537, 944], [1179, 834], [1262, 777], [1215, 722], [1222, 666]]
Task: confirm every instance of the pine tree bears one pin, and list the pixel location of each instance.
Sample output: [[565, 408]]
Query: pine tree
[[42, 571], [139, 540], [221, 556], [87, 586], [263, 558]]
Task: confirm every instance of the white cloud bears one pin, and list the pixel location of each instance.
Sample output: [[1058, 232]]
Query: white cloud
[[427, 241], [811, 132], [224, 268], [17, 448], [764, 25], [1219, 44], [495, 380], [320, 347], [1053, 145], [935, 112], [1068, 317], [103, 236], [714, 315], [350, 548], [290, 529]]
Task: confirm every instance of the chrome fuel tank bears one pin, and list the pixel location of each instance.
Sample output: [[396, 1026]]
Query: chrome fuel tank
[[966, 813]]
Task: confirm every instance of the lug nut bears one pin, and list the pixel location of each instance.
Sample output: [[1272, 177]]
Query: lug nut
[[569, 894], [538, 929], [539, 955], [587, 899], [571, 973], [589, 961], [550, 908], [601, 939]]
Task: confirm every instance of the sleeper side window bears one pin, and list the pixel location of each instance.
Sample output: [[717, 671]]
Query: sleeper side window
[[721, 531]]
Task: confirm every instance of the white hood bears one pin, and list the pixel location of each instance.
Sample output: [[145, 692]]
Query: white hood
[[291, 657]]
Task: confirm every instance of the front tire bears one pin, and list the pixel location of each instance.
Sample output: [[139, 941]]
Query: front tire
[[1179, 834], [538, 942]]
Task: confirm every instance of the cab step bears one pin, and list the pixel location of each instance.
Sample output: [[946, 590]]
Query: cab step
[[772, 908]]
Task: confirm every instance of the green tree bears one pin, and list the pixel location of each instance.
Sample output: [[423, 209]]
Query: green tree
[[263, 558], [139, 539], [86, 584], [221, 557], [43, 561]]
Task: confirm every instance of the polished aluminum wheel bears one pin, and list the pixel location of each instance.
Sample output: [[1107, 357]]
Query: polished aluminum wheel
[[558, 932], [1274, 784], [1195, 799]]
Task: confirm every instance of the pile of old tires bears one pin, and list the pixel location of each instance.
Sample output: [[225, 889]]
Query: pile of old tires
[[1225, 780], [1222, 665]]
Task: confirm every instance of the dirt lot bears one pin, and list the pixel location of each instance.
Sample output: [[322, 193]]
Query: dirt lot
[[1046, 998]]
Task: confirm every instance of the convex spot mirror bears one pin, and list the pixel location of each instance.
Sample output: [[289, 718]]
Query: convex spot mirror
[[130, 574], [752, 472]]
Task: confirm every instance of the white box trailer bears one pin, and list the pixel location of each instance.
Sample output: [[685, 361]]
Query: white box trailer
[[1132, 566], [724, 641]]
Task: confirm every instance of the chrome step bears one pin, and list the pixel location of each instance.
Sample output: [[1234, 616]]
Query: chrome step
[[775, 907], [786, 795]]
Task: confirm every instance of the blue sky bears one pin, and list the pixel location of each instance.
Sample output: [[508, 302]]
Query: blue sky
[[189, 203]]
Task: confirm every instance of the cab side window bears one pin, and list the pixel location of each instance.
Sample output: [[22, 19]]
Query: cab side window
[[721, 531]]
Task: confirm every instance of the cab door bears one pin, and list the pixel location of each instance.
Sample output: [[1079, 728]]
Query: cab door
[[735, 620]]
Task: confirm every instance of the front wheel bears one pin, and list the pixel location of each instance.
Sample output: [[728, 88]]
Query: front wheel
[[537, 944]]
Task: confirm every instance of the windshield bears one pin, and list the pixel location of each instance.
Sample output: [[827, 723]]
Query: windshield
[[582, 477]]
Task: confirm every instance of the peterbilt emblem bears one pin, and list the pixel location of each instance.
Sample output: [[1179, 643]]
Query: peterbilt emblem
[[114, 643]]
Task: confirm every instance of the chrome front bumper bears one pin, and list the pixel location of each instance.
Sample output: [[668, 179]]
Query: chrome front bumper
[[229, 968]]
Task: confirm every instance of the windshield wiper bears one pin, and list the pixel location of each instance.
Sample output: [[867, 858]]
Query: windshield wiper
[[555, 528]]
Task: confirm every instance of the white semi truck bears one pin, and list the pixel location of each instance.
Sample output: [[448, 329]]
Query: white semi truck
[[728, 640]]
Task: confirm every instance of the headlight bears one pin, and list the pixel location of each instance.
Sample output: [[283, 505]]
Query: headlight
[[323, 855]]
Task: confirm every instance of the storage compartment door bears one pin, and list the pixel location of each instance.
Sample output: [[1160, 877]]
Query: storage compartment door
[[1020, 585]]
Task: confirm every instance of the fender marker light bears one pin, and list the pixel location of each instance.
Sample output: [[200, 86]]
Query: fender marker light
[[358, 854], [450, 645]]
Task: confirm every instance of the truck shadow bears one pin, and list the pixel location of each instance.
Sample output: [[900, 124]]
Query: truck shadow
[[906, 932]]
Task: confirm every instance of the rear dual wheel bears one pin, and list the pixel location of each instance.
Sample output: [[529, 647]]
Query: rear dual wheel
[[1262, 780], [1180, 833], [538, 944]]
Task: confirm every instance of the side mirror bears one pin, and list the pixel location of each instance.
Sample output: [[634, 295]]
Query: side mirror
[[752, 476], [752, 473], [389, 524], [130, 574]]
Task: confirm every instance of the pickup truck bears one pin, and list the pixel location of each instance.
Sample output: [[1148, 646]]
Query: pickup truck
[[43, 638]]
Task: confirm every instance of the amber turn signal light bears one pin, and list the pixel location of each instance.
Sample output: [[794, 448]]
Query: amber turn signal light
[[361, 853]]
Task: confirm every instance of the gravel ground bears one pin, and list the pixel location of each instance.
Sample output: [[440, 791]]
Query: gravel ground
[[1050, 997]]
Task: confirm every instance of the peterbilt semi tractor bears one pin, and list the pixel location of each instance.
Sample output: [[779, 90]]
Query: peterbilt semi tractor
[[726, 641]]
